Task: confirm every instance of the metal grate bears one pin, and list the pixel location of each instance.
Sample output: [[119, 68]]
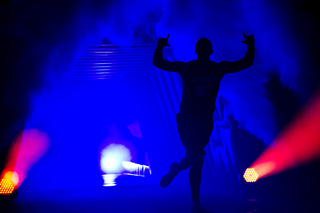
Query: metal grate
[[110, 61]]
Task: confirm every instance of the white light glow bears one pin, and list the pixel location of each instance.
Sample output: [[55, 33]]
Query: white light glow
[[135, 169], [112, 157], [110, 179]]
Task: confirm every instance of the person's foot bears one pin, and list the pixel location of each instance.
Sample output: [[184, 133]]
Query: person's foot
[[199, 209], [166, 179]]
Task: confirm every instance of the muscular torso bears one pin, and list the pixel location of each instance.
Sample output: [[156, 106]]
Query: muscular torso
[[200, 88]]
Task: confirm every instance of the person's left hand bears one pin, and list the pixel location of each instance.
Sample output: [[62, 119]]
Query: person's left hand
[[248, 39]]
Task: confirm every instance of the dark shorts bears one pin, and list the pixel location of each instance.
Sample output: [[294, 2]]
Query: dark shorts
[[194, 133]]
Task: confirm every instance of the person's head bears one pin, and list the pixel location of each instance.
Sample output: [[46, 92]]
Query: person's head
[[203, 49]]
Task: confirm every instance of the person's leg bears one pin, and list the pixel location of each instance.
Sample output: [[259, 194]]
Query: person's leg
[[184, 127], [195, 180], [203, 132], [175, 168], [185, 162]]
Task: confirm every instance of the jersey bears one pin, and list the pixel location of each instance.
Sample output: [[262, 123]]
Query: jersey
[[200, 89]]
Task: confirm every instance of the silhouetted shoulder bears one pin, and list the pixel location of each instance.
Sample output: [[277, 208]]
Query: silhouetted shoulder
[[214, 64], [228, 67], [192, 62]]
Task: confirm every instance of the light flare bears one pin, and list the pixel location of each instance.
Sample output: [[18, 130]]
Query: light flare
[[135, 169], [6, 186], [250, 175], [112, 157], [26, 149], [297, 144]]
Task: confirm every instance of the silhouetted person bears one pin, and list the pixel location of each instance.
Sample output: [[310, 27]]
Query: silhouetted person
[[201, 79]]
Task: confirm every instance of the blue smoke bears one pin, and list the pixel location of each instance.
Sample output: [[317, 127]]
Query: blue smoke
[[41, 40], [280, 47]]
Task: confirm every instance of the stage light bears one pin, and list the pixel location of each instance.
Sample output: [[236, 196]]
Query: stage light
[[297, 144], [26, 149], [250, 175], [116, 156], [112, 157], [6, 186], [128, 168], [8, 183], [110, 179], [13, 176], [135, 169], [111, 163]]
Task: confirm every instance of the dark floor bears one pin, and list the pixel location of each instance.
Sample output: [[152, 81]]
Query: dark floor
[[152, 198]]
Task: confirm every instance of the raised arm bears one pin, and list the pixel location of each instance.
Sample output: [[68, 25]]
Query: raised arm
[[164, 64], [246, 62]]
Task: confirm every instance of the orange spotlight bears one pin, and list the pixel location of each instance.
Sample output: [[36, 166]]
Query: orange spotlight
[[250, 175], [297, 144], [6, 186], [26, 149]]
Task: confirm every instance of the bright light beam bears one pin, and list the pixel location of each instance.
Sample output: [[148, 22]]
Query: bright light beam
[[135, 169], [297, 144], [27, 149], [250, 175], [112, 157]]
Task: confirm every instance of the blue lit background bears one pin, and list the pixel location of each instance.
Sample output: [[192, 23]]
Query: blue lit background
[[42, 42]]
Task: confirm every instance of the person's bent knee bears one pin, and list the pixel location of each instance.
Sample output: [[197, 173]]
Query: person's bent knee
[[185, 163], [197, 159]]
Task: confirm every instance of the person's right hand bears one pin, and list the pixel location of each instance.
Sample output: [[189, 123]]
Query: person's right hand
[[163, 41]]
